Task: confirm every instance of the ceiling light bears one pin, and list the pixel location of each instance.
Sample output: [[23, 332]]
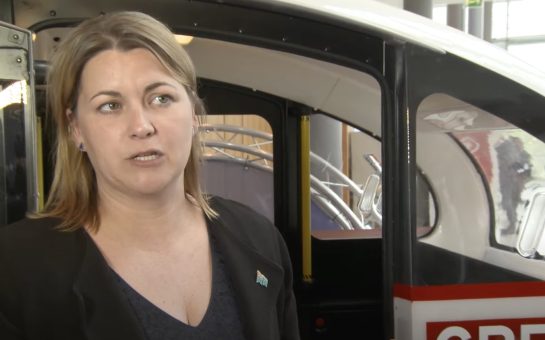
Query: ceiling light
[[183, 39]]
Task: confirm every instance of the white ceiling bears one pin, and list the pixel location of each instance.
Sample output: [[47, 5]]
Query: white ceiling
[[399, 3]]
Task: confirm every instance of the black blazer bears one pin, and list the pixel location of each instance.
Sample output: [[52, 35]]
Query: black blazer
[[57, 285]]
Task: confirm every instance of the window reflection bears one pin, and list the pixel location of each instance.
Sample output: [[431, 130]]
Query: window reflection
[[513, 163], [493, 192], [13, 182]]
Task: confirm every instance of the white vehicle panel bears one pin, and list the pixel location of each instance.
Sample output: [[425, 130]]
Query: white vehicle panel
[[347, 93], [422, 31], [416, 316]]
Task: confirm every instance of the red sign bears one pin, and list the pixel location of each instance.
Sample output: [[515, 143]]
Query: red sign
[[500, 329]]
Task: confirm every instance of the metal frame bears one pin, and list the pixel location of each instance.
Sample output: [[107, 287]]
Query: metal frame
[[29, 112]]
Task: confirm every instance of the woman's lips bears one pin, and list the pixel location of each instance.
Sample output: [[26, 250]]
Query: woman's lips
[[146, 158], [147, 155]]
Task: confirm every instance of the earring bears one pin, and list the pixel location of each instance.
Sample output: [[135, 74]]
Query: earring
[[81, 147]]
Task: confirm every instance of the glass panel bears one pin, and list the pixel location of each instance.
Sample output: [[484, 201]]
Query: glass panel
[[439, 14], [17, 126], [489, 177], [238, 160], [346, 183], [518, 18], [338, 174], [13, 97], [514, 166]]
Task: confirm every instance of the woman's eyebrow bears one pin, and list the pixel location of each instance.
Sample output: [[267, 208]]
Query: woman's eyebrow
[[106, 93], [147, 89], [153, 86]]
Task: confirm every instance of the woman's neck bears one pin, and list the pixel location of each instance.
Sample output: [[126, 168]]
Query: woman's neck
[[147, 222]]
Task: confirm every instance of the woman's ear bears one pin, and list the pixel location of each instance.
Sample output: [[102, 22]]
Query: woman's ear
[[196, 122], [195, 125], [73, 128]]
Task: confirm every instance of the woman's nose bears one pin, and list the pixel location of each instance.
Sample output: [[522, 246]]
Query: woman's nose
[[141, 125]]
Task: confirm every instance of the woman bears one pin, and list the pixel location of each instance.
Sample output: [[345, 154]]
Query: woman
[[127, 246]]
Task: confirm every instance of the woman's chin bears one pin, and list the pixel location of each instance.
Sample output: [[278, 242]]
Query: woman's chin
[[153, 187]]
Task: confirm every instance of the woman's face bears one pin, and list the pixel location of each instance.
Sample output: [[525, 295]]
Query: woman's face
[[135, 122]]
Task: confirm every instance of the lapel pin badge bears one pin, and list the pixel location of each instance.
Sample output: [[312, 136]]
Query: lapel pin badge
[[261, 279]]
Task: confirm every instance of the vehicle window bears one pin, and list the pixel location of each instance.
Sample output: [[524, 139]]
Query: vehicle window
[[513, 165], [346, 183], [13, 97], [342, 160], [490, 177], [238, 160], [19, 179]]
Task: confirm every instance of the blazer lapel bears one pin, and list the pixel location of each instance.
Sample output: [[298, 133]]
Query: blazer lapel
[[256, 282], [106, 313]]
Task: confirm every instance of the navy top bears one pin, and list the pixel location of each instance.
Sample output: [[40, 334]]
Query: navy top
[[221, 319]]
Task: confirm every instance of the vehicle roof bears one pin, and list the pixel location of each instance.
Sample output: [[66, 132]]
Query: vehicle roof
[[369, 14], [424, 32]]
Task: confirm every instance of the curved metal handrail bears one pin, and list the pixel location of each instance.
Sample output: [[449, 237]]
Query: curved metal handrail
[[236, 129], [237, 147], [241, 161], [338, 202], [331, 210], [337, 173], [321, 194]]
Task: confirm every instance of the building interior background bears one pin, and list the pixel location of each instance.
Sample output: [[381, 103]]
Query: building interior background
[[515, 25]]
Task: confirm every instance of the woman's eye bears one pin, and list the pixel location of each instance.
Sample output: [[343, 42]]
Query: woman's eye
[[109, 107], [161, 100]]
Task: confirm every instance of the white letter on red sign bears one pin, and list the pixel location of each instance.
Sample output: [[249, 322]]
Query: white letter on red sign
[[447, 333], [527, 330], [486, 331]]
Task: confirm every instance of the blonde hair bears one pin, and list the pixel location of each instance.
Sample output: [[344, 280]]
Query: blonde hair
[[73, 194]]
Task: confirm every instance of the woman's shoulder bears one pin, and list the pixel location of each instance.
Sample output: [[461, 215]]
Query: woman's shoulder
[[246, 224], [28, 229], [34, 240], [238, 215], [38, 264]]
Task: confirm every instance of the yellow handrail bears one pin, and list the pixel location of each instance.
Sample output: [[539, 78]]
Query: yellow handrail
[[305, 199], [40, 163]]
